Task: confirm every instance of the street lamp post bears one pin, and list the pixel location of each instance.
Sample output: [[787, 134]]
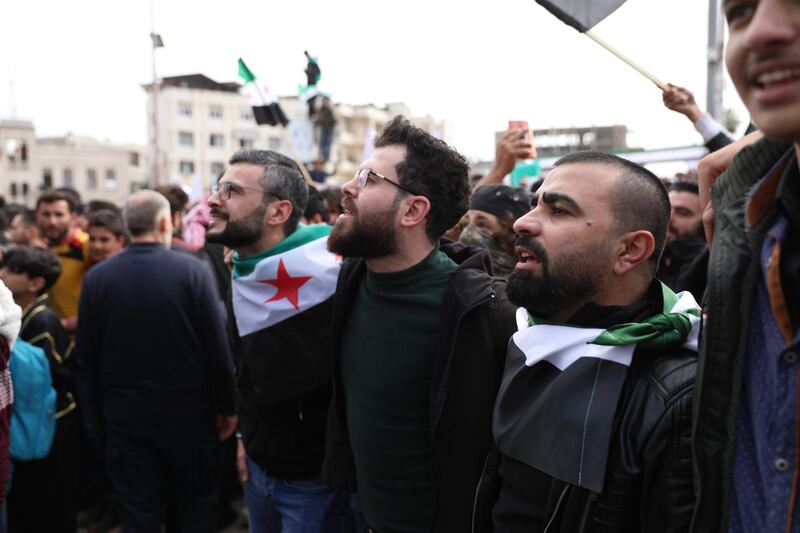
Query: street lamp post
[[155, 163]]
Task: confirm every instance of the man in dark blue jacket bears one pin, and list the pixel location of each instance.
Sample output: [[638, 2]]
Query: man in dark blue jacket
[[154, 359]]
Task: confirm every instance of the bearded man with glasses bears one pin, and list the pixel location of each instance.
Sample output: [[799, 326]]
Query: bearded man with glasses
[[283, 280], [420, 331]]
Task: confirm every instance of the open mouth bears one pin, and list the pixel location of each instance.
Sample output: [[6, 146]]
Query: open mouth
[[777, 77], [525, 256], [348, 210]]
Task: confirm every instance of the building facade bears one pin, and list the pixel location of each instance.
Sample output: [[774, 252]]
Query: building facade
[[98, 170], [199, 123]]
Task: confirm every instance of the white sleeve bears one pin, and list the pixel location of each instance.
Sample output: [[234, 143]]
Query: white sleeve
[[708, 127]]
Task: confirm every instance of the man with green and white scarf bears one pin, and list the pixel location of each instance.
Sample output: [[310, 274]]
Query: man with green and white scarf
[[283, 280], [593, 417]]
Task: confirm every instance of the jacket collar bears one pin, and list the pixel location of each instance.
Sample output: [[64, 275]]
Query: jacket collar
[[762, 199]]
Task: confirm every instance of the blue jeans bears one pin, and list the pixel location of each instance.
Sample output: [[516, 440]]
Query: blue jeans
[[325, 142], [286, 506]]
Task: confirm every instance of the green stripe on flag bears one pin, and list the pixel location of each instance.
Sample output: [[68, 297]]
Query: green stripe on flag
[[245, 73], [303, 235]]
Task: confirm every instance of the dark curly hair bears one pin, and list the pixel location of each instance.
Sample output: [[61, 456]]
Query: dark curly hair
[[432, 169]]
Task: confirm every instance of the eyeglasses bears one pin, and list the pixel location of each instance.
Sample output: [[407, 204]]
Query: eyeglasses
[[363, 174], [225, 188]]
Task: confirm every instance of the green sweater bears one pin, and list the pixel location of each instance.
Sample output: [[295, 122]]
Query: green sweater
[[386, 365]]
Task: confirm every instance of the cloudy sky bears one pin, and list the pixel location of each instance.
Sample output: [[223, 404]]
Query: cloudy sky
[[78, 65]]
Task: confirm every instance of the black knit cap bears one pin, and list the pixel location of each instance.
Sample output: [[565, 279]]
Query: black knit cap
[[501, 201]]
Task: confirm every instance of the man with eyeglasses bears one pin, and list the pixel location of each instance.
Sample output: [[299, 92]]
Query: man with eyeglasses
[[283, 279], [420, 331]]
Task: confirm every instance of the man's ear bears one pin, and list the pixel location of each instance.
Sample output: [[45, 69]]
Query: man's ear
[[35, 284], [416, 211], [278, 213], [634, 248], [164, 224]]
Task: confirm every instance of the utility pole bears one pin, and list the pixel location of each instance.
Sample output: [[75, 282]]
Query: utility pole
[[714, 79], [155, 163]]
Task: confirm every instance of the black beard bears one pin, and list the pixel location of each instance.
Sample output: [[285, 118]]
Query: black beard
[[369, 237], [573, 279], [245, 231]]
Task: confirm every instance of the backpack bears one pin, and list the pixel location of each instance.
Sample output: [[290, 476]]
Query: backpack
[[33, 413]]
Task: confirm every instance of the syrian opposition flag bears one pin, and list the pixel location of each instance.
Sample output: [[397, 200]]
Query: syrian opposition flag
[[266, 108], [561, 385], [290, 278], [582, 15]]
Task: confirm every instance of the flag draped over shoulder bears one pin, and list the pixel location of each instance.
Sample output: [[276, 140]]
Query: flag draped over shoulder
[[561, 385], [292, 277], [266, 108], [582, 15]]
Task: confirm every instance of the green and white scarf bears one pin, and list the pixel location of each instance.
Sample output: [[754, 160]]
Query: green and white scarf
[[561, 385]]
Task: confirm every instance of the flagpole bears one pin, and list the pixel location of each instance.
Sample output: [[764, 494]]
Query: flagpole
[[661, 85], [289, 144]]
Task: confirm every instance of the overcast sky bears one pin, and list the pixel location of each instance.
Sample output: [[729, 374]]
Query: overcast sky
[[78, 65]]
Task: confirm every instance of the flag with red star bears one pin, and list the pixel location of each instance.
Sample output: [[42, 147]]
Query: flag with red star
[[281, 285]]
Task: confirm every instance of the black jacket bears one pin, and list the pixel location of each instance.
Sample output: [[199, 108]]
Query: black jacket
[[41, 327], [476, 322], [732, 274], [720, 140], [648, 486], [284, 392], [648, 481]]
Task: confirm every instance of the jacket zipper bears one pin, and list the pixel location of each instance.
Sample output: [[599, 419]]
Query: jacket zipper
[[300, 408], [555, 511]]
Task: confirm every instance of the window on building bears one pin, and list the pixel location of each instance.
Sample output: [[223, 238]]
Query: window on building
[[47, 178], [216, 139], [67, 177], [246, 142], [246, 115], [184, 110], [13, 189], [133, 159], [274, 144], [24, 189], [185, 138], [91, 179], [215, 113], [186, 167], [217, 169], [111, 179]]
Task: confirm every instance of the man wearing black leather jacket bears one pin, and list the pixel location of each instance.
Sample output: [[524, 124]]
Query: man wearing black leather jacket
[[593, 418]]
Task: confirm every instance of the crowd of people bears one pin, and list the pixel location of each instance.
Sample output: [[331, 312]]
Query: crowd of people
[[420, 351]]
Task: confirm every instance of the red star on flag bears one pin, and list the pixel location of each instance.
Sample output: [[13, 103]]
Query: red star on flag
[[287, 286]]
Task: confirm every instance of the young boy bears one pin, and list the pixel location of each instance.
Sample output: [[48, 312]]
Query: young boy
[[42, 493], [107, 235]]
